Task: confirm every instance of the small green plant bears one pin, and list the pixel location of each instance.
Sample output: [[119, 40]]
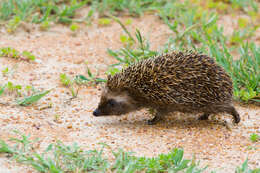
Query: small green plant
[[112, 70], [28, 88], [242, 22], [91, 79], [14, 88], [245, 168], [66, 81], [9, 52], [2, 89], [26, 101], [5, 71], [74, 27], [128, 21], [245, 5], [57, 117], [88, 18], [45, 25], [104, 21], [126, 40], [80, 80], [219, 5], [254, 137], [20, 91], [28, 55], [13, 24], [241, 35], [13, 53]]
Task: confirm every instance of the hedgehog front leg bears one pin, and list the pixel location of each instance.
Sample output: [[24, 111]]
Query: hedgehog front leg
[[157, 117], [154, 120]]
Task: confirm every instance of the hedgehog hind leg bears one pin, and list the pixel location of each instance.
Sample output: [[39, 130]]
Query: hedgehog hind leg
[[228, 109], [231, 110]]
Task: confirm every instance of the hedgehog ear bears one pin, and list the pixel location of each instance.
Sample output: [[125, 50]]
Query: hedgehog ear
[[108, 83], [125, 89], [104, 89], [102, 86], [108, 77]]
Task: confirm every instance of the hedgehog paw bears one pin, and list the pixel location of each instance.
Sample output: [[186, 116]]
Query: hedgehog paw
[[154, 120], [151, 122], [204, 117]]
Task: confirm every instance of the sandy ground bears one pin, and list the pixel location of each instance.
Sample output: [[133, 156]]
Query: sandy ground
[[57, 51]]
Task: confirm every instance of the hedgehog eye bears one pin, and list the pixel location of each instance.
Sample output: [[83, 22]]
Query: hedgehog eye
[[111, 102]]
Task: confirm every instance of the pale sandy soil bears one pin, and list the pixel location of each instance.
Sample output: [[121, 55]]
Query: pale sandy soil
[[57, 51]]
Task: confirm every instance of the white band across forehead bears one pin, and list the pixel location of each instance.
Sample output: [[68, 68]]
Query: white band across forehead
[[122, 97]]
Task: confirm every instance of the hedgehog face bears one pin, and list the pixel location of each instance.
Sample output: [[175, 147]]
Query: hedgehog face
[[114, 103]]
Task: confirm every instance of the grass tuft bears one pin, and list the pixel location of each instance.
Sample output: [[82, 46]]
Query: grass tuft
[[13, 53], [58, 157], [254, 137], [245, 168]]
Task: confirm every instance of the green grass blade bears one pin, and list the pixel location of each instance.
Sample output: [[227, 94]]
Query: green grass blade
[[123, 26], [2, 90], [115, 55], [31, 99], [4, 147]]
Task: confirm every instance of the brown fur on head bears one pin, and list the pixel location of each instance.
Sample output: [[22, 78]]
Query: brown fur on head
[[114, 102]]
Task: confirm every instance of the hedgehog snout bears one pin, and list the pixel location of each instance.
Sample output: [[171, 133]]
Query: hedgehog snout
[[97, 112]]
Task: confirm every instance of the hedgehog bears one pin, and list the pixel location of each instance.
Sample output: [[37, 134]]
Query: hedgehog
[[186, 82]]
